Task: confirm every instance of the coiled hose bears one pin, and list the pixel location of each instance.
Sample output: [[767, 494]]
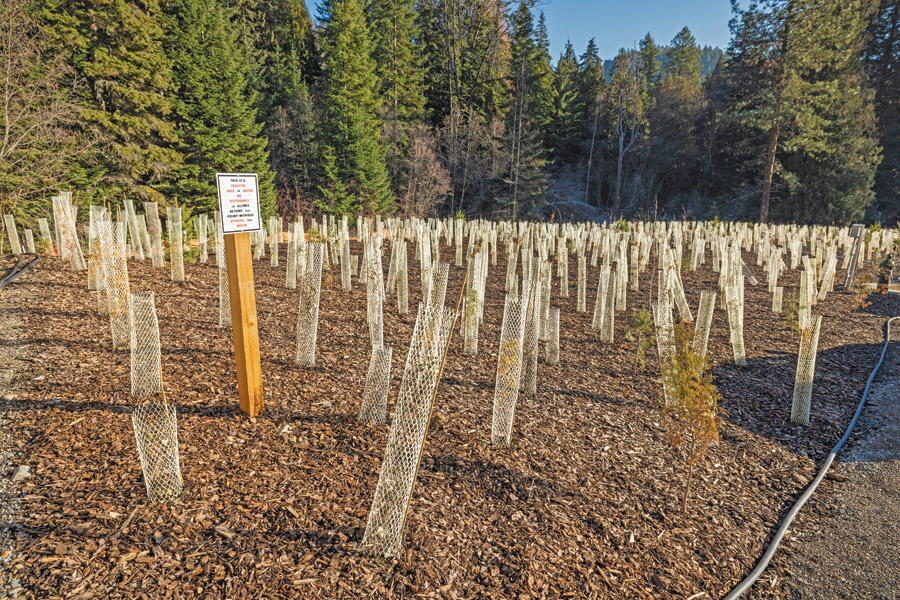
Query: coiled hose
[[744, 585]]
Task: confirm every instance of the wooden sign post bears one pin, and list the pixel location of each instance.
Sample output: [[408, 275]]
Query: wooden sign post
[[239, 207]]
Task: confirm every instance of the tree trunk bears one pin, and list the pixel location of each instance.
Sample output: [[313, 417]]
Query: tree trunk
[[587, 185], [618, 202], [769, 172]]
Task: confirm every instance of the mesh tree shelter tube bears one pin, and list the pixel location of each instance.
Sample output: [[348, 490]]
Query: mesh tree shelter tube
[[156, 433], [375, 394], [665, 338], [582, 285], [509, 369], [136, 244], [806, 370], [704, 320], [384, 529], [375, 295], [155, 423], [308, 317], [531, 345], [12, 234], [224, 294], [157, 255], [176, 243], [115, 274], [146, 374], [46, 238], [552, 348], [735, 323]]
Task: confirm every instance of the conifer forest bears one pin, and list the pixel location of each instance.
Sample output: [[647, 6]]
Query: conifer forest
[[384, 299], [433, 107]]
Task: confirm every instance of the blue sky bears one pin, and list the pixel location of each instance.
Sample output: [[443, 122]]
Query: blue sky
[[620, 24]]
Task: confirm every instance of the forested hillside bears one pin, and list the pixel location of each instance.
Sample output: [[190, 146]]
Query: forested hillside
[[436, 106]]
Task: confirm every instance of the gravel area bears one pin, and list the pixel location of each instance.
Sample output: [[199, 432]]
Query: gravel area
[[11, 352], [853, 553]]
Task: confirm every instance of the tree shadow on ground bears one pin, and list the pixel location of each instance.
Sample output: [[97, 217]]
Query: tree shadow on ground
[[758, 397]]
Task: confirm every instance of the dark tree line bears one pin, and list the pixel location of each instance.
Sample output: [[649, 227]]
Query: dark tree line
[[438, 106]]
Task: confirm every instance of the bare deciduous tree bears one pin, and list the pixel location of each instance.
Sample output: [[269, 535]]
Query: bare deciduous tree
[[629, 112], [427, 180], [40, 132]]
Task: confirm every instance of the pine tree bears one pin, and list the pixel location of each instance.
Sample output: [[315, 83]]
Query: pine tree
[[592, 99], [883, 63], [799, 94], [649, 60], [465, 44], [684, 57], [286, 55], [353, 128], [214, 104], [116, 47], [565, 134], [397, 61], [543, 73], [529, 69]]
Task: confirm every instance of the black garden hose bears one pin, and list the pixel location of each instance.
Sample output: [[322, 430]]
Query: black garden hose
[[16, 271], [757, 571]]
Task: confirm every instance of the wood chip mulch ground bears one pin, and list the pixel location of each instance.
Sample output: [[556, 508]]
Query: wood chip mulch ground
[[585, 504]]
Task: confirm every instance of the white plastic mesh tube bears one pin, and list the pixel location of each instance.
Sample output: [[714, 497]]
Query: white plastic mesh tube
[[665, 338], [704, 320], [608, 329], [375, 296], [553, 342], [224, 293], [602, 292], [509, 368], [176, 243], [115, 270], [308, 317], [29, 241], [156, 432], [46, 238], [384, 529], [806, 370], [582, 284], [12, 234], [375, 394], [146, 373], [203, 237], [530, 348], [157, 256], [735, 323]]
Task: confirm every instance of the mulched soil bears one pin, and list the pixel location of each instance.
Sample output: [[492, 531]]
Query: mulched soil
[[584, 504]]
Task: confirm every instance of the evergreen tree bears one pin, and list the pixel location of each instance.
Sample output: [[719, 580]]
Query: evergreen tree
[[465, 44], [357, 168], [592, 98], [649, 60], [397, 62], [565, 129], [286, 54], [684, 57], [526, 179], [543, 74], [799, 95], [116, 47], [214, 104], [883, 63], [593, 81]]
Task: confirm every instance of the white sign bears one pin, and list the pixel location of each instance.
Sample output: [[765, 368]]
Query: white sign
[[239, 202]]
